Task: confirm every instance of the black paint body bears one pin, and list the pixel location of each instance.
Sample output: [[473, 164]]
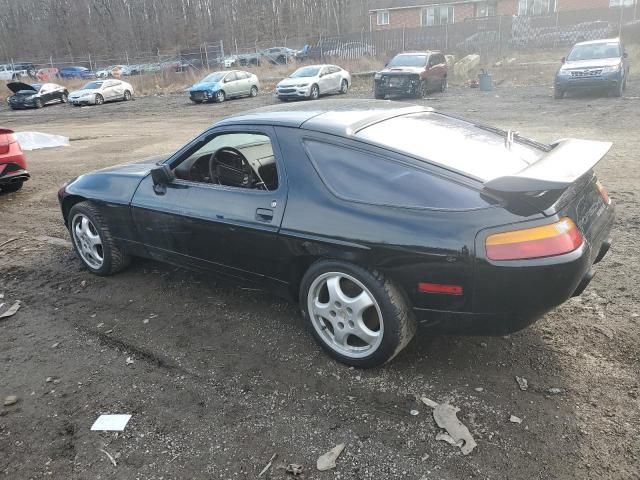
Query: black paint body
[[217, 228]]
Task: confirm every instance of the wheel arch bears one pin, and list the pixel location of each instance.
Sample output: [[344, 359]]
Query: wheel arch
[[67, 204]]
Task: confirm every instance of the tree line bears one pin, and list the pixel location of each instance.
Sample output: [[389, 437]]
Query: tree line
[[39, 28]]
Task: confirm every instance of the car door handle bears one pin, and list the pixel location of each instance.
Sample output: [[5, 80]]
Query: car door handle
[[264, 215]]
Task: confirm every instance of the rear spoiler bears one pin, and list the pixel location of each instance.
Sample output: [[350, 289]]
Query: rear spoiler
[[569, 160]]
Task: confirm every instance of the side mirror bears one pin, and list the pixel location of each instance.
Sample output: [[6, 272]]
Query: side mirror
[[162, 175], [563, 60], [625, 55]]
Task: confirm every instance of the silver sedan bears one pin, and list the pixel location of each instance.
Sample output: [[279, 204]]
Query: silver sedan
[[312, 81]]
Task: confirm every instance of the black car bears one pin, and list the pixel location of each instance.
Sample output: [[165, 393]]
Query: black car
[[36, 95], [373, 215]]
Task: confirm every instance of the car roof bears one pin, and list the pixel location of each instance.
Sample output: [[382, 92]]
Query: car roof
[[602, 40], [421, 52], [336, 117]]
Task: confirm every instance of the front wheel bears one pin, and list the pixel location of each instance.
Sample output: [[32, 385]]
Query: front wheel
[[64, 98], [93, 242], [359, 317], [315, 92], [254, 91], [558, 94], [344, 87], [221, 96], [379, 96], [127, 95], [444, 85], [38, 103], [421, 90], [99, 99], [619, 90]]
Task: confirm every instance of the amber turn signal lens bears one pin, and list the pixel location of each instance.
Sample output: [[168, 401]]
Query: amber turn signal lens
[[546, 241], [603, 193]]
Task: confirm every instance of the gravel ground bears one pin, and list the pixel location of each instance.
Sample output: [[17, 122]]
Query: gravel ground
[[224, 376]]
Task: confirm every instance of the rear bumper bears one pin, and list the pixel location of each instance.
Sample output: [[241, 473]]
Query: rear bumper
[[510, 296], [14, 176]]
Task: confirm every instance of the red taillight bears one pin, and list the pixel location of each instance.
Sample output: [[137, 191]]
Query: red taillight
[[6, 139], [546, 241], [603, 193], [440, 288]]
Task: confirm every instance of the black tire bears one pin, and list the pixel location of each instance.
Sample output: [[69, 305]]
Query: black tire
[[379, 96], [38, 103], [314, 93], [221, 96], [115, 259], [344, 87], [127, 95], [65, 97], [421, 90], [254, 91], [99, 99], [619, 90], [11, 187], [398, 320], [558, 94]]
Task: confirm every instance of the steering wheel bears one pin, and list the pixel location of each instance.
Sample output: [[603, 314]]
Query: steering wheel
[[240, 167]]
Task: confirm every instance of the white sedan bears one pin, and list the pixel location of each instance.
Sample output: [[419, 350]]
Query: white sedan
[[98, 92], [312, 81]]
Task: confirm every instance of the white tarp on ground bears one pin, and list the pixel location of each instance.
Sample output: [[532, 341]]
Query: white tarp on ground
[[36, 140]]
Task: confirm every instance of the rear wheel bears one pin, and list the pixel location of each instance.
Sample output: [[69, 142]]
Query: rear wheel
[[99, 99], [11, 187], [359, 317], [314, 93], [221, 96], [93, 242]]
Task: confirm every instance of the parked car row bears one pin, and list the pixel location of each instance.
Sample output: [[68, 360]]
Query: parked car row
[[96, 92]]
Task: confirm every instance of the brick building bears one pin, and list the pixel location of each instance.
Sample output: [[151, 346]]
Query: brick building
[[389, 14]]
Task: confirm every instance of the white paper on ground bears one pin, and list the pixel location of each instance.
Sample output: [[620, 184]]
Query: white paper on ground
[[111, 423], [36, 140]]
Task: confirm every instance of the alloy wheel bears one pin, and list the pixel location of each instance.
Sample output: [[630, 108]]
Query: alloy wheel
[[99, 99], [345, 314], [220, 96], [87, 241], [315, 92], [344, 88]]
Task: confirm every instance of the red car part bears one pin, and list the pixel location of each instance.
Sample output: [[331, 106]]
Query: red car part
[[13, 164]]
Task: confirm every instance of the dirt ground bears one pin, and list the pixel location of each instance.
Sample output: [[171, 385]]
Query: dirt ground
[[224, 376]]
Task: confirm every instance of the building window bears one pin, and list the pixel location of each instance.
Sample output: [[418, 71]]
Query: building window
[[536, 7], [486, 9], [437, 16], [383, 17], [622, 3]]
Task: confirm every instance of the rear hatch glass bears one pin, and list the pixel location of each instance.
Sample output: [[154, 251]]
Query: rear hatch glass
[[458, 145]]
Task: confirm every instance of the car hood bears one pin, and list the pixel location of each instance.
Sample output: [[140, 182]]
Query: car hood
[[16, 87], [141, 168], [198, 87], [402, 70], [602, 62], [79, 93], [290, 82]]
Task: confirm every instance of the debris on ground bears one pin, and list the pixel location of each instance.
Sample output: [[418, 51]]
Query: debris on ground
[[446, 418], [36, 140], [294, 469], [514, 419], [10, 400], [113, 460], [12, 310], [268, 466], [449, 439], [479, 389], [414, 412], [523, 383], [129, 361], [554, 391], [428, 402], [328, 460], [111, 423], [55, 345]]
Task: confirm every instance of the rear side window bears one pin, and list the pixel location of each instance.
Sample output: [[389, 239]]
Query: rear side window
[[363, 177]]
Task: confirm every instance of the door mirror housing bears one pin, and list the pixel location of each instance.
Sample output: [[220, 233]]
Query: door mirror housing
[[563, 59], [162, 175], [625, 55]]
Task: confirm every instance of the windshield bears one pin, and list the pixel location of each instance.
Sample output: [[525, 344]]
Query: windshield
[[93, 86], [408, 61], [305, 72], [594, 51], [214, 77]]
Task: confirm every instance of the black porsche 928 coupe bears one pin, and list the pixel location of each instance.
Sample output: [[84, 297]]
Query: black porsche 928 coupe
[[375, 216]]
